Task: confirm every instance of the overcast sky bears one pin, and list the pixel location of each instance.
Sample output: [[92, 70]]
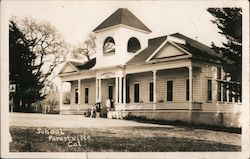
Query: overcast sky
[[75, 19]]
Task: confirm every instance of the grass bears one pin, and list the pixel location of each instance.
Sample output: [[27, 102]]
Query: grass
[[185, 124], [124, 139]]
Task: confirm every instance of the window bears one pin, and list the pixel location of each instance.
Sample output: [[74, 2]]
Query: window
[[133, 45], [136, 92], [109, 45], [127, 94], [110, 92], [151, 92], [76, 96], [86, 95], [209, 90], [219, 91], [169, 90], [218, 73], [187, 89]]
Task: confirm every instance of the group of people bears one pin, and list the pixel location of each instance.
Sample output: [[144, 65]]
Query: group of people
[[97, 108]]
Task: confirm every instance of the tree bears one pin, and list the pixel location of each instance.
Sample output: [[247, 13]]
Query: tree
[[48, 46], [229, 22], [21, 70], [86, 48]]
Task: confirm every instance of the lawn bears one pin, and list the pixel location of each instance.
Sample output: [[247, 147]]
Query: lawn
[[111, 139]]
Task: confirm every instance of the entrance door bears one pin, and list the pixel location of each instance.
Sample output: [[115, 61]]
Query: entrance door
[[111, 92]]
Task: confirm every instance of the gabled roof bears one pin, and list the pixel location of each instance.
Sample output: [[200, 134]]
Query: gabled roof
[[153, 45], [197, 49], [125, 17], [84, 66]]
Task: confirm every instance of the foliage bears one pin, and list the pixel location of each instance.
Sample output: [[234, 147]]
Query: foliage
[[86, 48], [21, 69], [49, 47], [51, 102], [229, 22]]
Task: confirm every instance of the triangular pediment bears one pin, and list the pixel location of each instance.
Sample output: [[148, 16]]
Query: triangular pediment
[[68, 68], [168, 50]]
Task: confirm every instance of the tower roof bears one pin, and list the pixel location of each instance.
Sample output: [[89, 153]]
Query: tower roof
[[125, 17]]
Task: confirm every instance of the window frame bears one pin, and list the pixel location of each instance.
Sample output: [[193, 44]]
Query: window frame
[[187, 88], [105, 42], [209, 90], [151, 92], [172, 92], [76, 96], [86, 96], [135, 101]]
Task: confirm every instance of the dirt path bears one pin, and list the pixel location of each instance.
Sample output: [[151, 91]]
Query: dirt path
[[140, 129]]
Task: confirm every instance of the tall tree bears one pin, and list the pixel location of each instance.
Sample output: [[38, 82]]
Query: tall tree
[[229, 22], [21, 70], [49, 47], [86, 48]]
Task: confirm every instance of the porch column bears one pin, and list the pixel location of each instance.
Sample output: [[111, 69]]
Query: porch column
[[154, 85], [228, 94], [100, 90], [96, 90], [79, 95], [61, 95], [120, 89], [116, 89], [222, 92], [124, 92], [190, 86]]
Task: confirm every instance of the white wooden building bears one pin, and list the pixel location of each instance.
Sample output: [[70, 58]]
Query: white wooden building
[[171, 77]]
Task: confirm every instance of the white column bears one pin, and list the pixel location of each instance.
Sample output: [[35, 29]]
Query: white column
[[120, 89], [79, 95], [222, 92], [96, 90], [155, 90], [190, 86], [61, 96], [124, 89], [116, 90], [227, 94], [124, 92], [100, 90]]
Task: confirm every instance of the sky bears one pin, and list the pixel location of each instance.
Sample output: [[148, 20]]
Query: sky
[[76, 19]]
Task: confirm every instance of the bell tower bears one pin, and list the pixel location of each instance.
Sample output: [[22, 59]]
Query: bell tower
[[119, 38]]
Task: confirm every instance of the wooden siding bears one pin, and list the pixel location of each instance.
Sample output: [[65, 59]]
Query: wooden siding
[[178, 76], [90, 83]]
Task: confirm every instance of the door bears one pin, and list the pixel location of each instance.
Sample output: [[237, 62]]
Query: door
[[110, 92]]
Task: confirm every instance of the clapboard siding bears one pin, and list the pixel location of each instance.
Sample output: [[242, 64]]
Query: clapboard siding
[[209, 72], [178, 76], [88, 83]]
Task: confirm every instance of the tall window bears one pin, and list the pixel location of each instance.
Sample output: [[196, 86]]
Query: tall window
[[169, 90], [136, 92], [127, 94], [218, 73], [110, 92], [151, 92], [86, 95], [219, 91], [209, 90], [187, 89], [76, 96]]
